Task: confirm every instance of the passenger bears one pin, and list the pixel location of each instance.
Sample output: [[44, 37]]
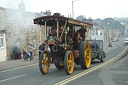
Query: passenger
[[93, 45]]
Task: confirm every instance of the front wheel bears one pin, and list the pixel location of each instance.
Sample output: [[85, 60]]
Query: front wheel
[[44, 62], [69, 62]]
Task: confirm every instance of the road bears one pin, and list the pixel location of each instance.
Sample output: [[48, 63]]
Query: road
[[93, 76]]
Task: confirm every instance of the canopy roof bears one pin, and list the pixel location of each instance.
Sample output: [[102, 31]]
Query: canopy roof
[[61, 19]]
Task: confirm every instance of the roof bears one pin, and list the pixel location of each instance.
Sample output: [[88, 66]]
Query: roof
[[2, 31], [41, 20], [1, 8]]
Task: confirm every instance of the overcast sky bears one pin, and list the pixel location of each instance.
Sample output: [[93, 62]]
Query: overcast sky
[[88, 8]]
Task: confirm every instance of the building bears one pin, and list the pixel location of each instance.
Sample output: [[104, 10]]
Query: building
[[3, 55], [125, 23], [20, 29]]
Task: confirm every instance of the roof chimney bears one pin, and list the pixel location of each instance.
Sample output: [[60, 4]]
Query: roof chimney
[[22, 6]]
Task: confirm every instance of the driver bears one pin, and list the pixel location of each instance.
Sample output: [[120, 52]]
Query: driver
[[82, 32]]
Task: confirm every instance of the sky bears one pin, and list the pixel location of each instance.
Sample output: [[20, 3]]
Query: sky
[[88, 8]]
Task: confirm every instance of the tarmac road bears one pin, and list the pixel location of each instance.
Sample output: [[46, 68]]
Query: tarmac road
[[98, 74]]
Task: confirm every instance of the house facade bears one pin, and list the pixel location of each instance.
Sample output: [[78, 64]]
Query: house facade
[[20, 29], [3, 54]]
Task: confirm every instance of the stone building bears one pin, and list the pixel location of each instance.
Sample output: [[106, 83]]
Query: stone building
[[3, 55], [100, 30], [20, 29]]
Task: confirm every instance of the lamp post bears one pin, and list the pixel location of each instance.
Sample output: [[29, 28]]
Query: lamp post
[[73, 8], [110, 43]]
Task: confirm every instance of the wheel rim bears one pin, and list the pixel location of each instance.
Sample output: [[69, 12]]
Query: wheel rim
[[70, 62], [45, 62], [87, 55]]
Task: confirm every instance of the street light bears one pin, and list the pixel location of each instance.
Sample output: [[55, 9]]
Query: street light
[[110, 43], [73, 8]]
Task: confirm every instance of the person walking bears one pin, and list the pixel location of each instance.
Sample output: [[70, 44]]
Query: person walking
[[30, 50]]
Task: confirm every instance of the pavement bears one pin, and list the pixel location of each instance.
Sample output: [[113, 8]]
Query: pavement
[[10, 64]]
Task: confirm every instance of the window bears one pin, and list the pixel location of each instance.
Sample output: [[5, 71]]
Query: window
[[1, 41], [34, 42], [18, 43], [25, 29], [16, 29], [33, 28]]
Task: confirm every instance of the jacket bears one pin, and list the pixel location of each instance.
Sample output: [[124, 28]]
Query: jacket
[[30, 48]]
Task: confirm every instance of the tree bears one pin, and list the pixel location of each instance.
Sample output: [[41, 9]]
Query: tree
[[80, 17]]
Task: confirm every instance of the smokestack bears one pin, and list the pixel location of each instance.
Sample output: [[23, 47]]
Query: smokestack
[[22, 1]]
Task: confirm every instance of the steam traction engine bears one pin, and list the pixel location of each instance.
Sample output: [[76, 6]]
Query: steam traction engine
[[64, 43]]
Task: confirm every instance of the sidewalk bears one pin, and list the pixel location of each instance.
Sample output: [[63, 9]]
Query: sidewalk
[[5, 65]]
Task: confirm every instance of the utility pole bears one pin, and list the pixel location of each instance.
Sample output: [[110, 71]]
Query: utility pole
[[22, 1], [109, 43], [73, 8]]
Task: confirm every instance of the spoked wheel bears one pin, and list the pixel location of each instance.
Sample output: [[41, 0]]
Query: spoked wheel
[[69, 62], [44, 62], [85, 55]]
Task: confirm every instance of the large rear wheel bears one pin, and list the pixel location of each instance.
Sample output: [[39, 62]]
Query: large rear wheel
[[69, 62], [85, 55], [44, 62]]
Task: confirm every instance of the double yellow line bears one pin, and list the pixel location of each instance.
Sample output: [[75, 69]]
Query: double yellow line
[[89, 70]]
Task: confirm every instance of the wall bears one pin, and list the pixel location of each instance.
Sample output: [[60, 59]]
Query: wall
[[3, 56], [22, 36]]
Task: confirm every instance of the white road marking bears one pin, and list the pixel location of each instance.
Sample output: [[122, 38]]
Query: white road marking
[[52, 66], [18, 68], [12, 78]]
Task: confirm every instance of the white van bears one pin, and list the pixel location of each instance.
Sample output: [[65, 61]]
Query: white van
[[126, 41]]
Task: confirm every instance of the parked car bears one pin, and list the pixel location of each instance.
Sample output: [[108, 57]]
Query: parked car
[[114, 39], [126, 41]]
